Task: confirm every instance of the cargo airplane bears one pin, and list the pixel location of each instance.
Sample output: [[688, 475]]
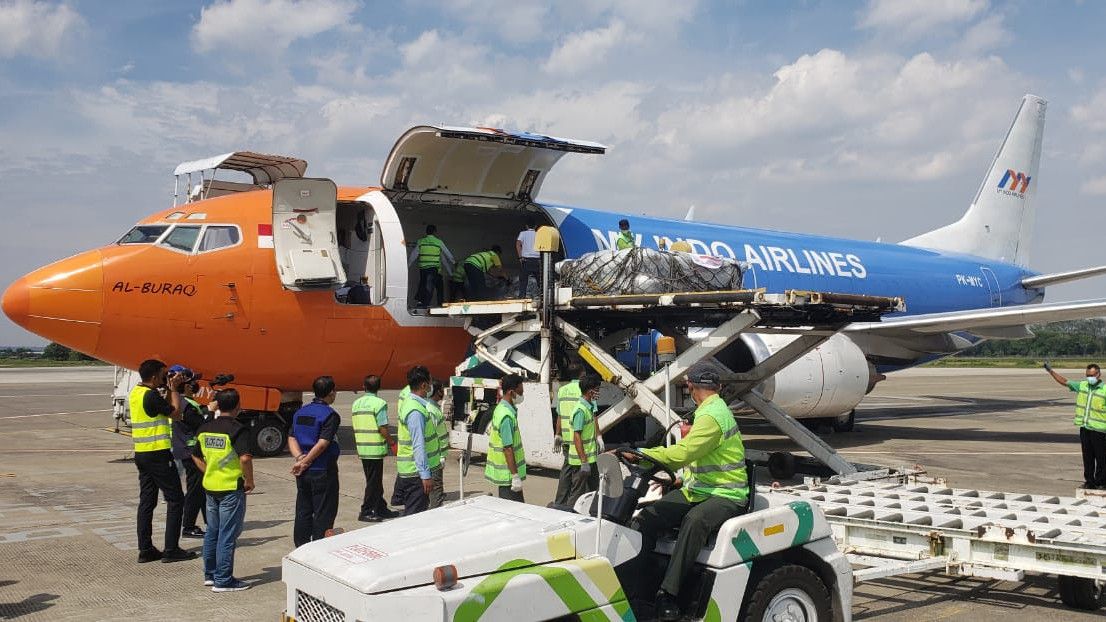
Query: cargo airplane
[[255, 278]]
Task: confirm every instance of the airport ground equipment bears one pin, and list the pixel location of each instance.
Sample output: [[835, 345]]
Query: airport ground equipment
[[907, 523], [125, 381], [505, 332], [521, 563]]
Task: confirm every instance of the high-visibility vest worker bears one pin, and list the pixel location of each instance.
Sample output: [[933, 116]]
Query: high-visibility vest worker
[[1090, 405], [405, 452], [585, 410], [442, 430], [567, 397], [430, 252], [148, 433], [483, 260], [721, 472], [367, 411], [223, 466], [495, 468], [625, 239], [458, 274]]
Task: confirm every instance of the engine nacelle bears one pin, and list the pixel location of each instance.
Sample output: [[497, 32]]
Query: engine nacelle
[[828, 381]]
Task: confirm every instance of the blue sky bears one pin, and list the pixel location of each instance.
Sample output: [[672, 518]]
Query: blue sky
[[870, 119]]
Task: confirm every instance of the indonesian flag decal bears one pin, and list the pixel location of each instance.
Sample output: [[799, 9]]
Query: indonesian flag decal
[[265, 235]]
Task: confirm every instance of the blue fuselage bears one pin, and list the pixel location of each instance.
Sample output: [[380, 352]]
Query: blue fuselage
[[929, 281]]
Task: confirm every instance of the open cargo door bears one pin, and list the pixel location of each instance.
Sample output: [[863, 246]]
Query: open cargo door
[[305, 234], [482, 162]]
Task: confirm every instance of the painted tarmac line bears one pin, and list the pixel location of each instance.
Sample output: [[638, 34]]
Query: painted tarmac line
[[965, 453], [75, 412], [62, 395]]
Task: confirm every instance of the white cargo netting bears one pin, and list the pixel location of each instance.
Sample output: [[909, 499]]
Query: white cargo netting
[[648, 271]]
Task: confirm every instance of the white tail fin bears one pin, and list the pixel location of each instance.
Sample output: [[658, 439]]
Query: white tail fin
[[999, 222]]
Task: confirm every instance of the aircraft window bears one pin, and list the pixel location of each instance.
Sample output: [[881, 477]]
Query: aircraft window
[[182, 238], [219, 236], [143, 234]]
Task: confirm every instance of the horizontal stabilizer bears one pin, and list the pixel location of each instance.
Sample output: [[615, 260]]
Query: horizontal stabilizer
[[984, 320], [1044, 280]]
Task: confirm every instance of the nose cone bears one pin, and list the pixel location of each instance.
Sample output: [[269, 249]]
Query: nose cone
[[62, 302]]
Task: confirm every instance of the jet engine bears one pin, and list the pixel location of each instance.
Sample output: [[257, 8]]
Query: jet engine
[[827, 382]]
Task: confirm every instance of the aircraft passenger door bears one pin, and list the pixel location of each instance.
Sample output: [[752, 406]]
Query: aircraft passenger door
[[992, 285], [305, 234], [377, 267]]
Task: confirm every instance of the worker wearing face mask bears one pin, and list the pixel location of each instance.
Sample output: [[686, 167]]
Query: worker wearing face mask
[[1090, 416]]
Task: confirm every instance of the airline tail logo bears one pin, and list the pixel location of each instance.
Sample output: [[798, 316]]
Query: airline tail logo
[[1018, 181]]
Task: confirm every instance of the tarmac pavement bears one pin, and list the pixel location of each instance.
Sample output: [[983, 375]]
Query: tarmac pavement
[[68, 494]]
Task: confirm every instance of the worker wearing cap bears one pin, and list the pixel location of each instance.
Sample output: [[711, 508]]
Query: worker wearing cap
[[433, 258], [626, 238], [151, 432], [477, 265], [417, 454], [715, 486], [313, 443], [371, 435], [582, 474], [567, 398], [184, 438], [1090, 416], [506, 460]]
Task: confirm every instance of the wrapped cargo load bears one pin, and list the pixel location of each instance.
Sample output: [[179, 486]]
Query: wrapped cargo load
[[648, 271]]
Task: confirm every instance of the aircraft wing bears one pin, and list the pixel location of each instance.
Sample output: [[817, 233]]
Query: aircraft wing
[[984, 320]]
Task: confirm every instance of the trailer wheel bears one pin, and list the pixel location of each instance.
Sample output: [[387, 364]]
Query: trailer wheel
[[269, 435], [789, 592], [1082, 593]]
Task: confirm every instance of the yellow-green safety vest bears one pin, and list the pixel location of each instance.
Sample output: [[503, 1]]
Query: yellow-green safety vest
[[567, 396], [366, 431], [720, 473], [625, 240], [587, 435], [1090, 406], [192, 441], [495, 466], [458, 275], [148, 433], [442, 429], [405, 453], [224, 469], [482, 260], [430, 252]]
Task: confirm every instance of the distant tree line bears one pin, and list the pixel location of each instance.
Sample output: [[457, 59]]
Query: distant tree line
[[52, 352], [1071, 338]]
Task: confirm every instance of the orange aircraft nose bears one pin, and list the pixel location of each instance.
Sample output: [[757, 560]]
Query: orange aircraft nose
[[62, 302]]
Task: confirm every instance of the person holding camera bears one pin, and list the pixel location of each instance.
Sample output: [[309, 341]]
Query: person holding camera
[[151, 431], [184, 439]]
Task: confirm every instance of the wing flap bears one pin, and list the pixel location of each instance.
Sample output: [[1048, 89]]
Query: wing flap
[[984, 320]]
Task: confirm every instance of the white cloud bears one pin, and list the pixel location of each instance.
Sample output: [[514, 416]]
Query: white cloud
[[609, 113], [267, 26], [985, 35], [912, 18], [38, 29], [1095, 187], [517, 21], [581, 50], [1092, 115]]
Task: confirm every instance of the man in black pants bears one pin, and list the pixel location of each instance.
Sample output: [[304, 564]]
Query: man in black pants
[[314, 446], [184, 438], [151, 431]]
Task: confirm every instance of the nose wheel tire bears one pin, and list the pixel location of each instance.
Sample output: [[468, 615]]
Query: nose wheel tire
[[269, 436], [789, 593]]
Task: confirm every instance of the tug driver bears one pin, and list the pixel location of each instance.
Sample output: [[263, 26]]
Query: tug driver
[[715, 486]]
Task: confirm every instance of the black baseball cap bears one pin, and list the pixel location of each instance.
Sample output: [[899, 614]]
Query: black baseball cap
[[705, 374]]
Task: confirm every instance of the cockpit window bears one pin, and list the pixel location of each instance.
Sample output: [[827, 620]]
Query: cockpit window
[[219, 236], [182, 238], [143, 234]]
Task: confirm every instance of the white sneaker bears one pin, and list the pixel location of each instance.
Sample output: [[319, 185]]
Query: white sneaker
[[209, 582]]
